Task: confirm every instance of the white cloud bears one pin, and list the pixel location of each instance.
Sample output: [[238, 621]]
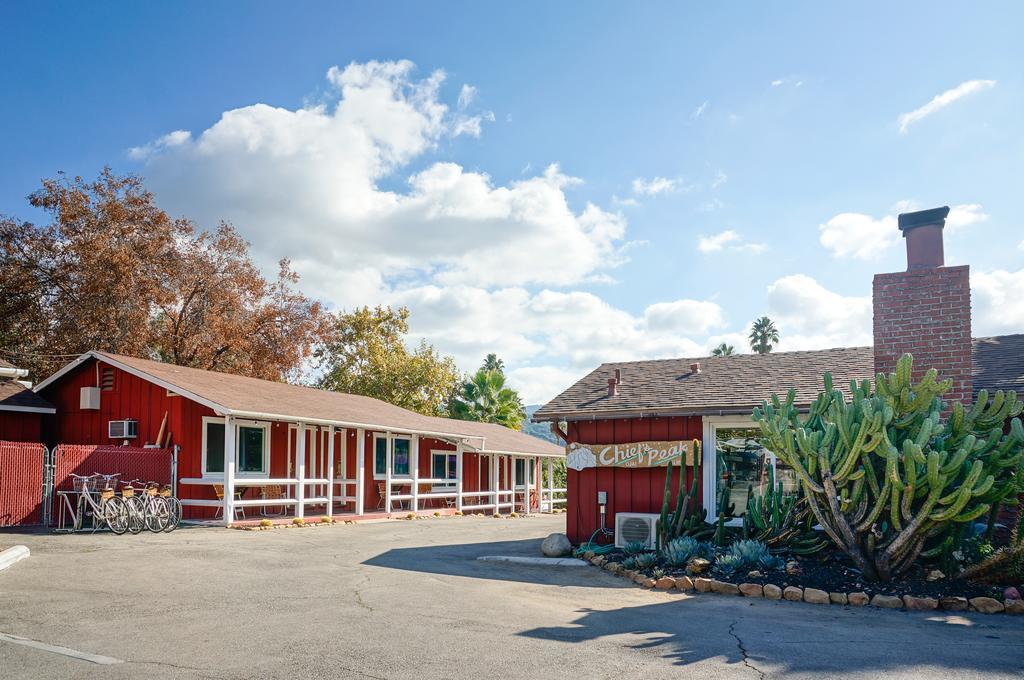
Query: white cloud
[[168, 141], [776, 83], [863, 237], [941, 101], [655, 186], [699, 111], [727, 239], [720, 179], [997, 302], [466, 96], [307, 184], [538, 384], [810, 316]]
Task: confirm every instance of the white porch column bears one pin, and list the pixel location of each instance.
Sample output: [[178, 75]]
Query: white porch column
[[414, 470], [458, 476], [330, 470], [530, 465], [388, 458], [495, 484], [230, 456], [360, 470], [551, 485], [300, 470]]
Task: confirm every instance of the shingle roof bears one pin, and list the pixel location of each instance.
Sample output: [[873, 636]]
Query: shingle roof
[[738, 383], [253, 397], [16, 397]]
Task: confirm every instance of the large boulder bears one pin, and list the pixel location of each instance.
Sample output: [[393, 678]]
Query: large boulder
[[556, 545]]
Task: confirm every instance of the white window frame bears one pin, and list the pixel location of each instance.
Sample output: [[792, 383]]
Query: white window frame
[[530, 470], [709, 463], [450, 482], [389, 456], [264, 472]]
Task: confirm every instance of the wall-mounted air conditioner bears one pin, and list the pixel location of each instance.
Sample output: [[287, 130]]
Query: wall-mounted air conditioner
[[89, 399], [122, 429], [636, 527]]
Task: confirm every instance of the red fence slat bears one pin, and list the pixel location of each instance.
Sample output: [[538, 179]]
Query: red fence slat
[[129, 461], [21, 483]]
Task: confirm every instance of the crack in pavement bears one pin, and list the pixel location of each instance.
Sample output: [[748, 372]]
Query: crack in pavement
[[206, 671], [744, 655]]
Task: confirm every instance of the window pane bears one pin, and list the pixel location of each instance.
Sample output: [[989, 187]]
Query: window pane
[[437, 466], [520, 470], [250, 449], [742, 467], [401, 458], [380, 456], [214, 447], [452, 467]]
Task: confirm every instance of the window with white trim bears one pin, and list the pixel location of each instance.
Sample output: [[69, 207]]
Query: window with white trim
[[442, 465], [400, 456], [737, 468], [521, 466], [252, 442]]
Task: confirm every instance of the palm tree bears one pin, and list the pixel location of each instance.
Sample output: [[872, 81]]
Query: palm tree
[[723, 350], [485, 398], [763, 334], [493, 363]]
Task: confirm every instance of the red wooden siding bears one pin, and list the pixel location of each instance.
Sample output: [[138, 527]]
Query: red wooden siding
[[20, 427], [629, 490], [21, 493]]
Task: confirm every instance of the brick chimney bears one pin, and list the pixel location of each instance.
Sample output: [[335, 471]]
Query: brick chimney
[[925, 310]]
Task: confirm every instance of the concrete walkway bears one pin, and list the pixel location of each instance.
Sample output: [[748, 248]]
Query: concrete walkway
[[410, 600]]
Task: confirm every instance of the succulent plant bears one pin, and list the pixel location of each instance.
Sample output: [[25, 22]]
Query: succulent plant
[[688, 517], [729, 564], [745, 555], [635, 548], [629, 563], [679, 551], [646, 560]]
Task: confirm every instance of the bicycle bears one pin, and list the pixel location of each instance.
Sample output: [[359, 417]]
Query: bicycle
[[147, 509], [111, 509]]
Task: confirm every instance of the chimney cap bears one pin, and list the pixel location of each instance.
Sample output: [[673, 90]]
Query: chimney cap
[[921, 218]]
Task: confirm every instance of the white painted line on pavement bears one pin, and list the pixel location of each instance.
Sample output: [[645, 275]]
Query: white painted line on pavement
[[57, 649], [537, 561]]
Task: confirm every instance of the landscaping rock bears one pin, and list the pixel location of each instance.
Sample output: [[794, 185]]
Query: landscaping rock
[[665, 583], [684, 583], [919, 603], [640, 578], [613, 567], [887, 602], [1014, 606], [754, 574], [697, 565], [953, 603], [837, 598], [857, 599], [986, 605], [702, 585], [793, 568], [935, 575], [1011, 593], [724, 588], [815, 596], [752, 590], [793, 594], [588, 555], [772, 592], [556, 545]]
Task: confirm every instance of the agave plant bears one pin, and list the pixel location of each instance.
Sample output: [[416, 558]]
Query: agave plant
[[646, 560], [635, 548], [629, 563], [681, 550], [747, 554]]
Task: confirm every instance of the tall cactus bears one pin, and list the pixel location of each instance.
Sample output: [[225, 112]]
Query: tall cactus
[[884, 471], [780, 520], [688, 517]]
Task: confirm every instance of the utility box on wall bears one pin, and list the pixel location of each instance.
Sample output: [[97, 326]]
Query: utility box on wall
[[89, 399]]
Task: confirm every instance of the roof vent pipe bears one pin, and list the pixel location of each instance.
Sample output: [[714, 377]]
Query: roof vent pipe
[[695, 367], [613, 388], [923, 231], [618, 375]]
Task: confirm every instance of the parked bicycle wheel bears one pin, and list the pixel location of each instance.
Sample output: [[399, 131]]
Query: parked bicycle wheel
[[174, 509], [136, 507], [158, 515], [115, 514]]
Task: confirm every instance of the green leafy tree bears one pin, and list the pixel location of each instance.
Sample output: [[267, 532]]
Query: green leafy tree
[[723, 350], [493, 363], [763, 335], [368, 354], [485, 398]]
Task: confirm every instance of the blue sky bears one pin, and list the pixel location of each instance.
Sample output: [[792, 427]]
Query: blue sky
[[713, 163]]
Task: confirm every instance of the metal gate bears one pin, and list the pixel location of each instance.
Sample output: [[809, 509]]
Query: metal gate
[[22, 473]]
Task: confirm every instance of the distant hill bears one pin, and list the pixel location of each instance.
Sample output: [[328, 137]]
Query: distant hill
[[540, 430]]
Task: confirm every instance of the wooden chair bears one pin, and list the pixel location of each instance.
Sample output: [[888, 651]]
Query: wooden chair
[[218, 489], [274, 493], [381, 494]]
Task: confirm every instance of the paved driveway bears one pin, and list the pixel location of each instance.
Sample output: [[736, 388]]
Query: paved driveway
[[409, 600]]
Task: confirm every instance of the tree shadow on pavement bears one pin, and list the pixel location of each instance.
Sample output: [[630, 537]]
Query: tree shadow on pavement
[[772, 637], [461, 560]]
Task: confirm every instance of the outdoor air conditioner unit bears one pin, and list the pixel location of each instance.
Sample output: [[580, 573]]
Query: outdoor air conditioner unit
[[122, 429], [633, 527]]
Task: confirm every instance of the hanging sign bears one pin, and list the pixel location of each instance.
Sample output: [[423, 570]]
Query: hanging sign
[[632, 455]]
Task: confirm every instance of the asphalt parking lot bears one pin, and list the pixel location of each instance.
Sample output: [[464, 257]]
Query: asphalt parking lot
[[409, 599]]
